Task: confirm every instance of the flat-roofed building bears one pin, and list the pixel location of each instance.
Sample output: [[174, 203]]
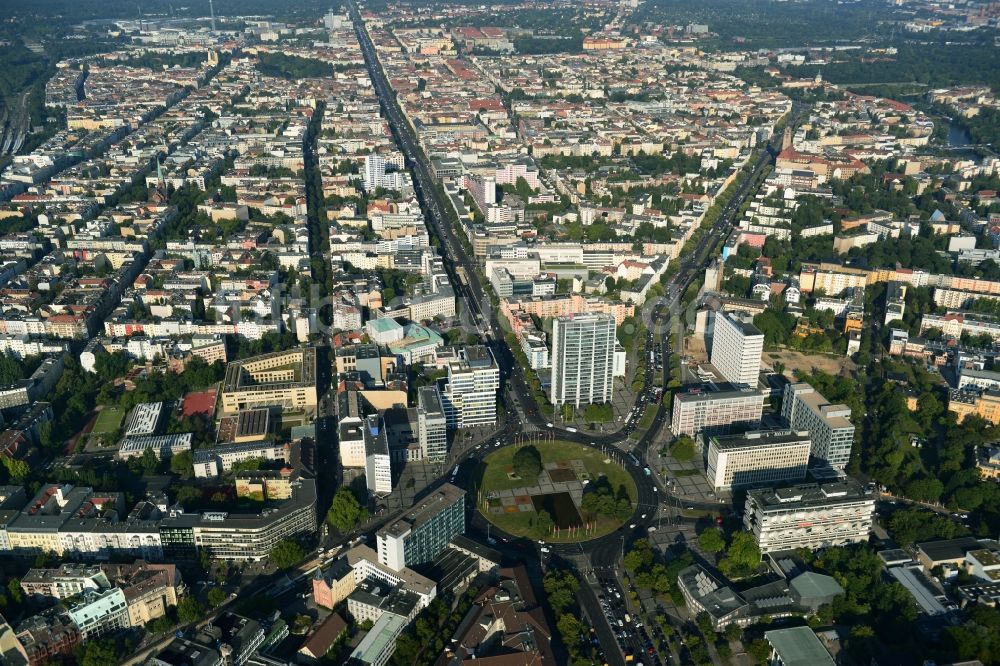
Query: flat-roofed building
[[265, 484], [797, 646], [373, 597], [717, 412], [470, 395], [968, 401], [737, 346], [376, 648], [351, 442], [757, 458], [378, 462], [98, 613], [242, 536], [285, 379], [432, 425], [583, 359], [144, 419], [425, 530], [368, 361], [164, 446], [949, 552], [809, 516], [829, 426], [249, 425], [212, 461]]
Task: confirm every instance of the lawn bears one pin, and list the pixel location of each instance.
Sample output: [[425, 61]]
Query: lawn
[[647, 417], [492, 475], [108, 420]]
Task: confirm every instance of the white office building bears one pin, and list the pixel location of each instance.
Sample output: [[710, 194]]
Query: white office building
[[377, 175], [809, 516], [737, 346], [712, 413], [470, 396], [378, 464], [351, 441], [758, 458], [432, 425], [583, 359], [829, 426]]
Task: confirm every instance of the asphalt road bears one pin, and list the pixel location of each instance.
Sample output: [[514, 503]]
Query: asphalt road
[[603, 553]]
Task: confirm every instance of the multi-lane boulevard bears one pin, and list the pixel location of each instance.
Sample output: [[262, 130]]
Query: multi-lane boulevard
[[604, 553]]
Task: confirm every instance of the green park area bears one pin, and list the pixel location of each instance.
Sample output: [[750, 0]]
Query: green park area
[[557, 491]]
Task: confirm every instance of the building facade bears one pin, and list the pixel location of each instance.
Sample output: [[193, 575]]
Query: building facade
[[720, 412], [432, 425], [583, 359], [470, 396], [757, 459], [378, 463], [737, 346], [829, 426], [420, 535], [809, 516]]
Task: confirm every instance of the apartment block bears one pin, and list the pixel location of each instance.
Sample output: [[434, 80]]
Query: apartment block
[[213, 461], [809, 516]]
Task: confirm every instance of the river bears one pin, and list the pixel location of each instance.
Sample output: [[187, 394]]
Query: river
[[957, 135]]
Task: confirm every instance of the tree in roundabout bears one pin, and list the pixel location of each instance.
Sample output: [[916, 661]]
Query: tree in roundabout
[[527, 463]]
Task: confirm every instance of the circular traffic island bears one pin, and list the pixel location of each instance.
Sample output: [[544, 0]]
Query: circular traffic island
[[554, 491]]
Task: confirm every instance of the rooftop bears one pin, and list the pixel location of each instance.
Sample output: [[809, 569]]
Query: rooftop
[[427, 509], [760, 438], [700, 395], [809, 495], [375, 642], [951, 549], [798, 646]]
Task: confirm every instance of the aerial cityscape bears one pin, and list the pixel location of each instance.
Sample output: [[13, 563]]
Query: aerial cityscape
[[531, 333]]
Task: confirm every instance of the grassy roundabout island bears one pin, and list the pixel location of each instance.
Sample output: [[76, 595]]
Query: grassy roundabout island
[[554, 490]]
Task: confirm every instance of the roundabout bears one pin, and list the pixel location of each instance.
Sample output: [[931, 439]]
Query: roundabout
[[556, 491]]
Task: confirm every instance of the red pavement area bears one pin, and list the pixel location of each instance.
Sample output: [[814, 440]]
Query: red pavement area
[[199, 403], [71, 444]]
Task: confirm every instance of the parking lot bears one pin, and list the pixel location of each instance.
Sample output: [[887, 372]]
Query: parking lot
[[634, 638]]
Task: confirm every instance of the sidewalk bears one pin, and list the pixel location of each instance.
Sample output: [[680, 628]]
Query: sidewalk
[[684, 480]]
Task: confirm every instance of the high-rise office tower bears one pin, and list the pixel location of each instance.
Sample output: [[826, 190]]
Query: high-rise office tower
[[737, 346], [583, 359]]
